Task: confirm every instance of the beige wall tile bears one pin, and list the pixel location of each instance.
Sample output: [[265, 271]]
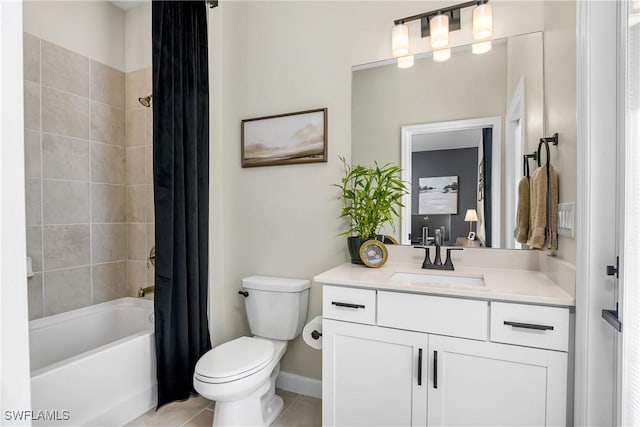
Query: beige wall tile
[[65, 70], [109, 281], [31, 105], [66, 289], [34, 246], [65, 114], [33, 201], [135, 165], [151, 236], [65, 202], [107, 124], [34, 291], [65, 158], [135, 127], [108, 242], [149, 209], [136, 203], [136, 276], [66, 246], [136, 238], [108, 203], [107, 85], [32, 157], [138, 85], [148, 164], [148, 120], [107, 164], [31, 50], [151, 271]]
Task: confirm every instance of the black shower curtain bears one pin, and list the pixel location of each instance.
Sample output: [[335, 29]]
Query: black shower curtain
[[181, 191], [487, 149]]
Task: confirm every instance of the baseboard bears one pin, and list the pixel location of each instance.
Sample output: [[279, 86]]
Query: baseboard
[[299, 384]]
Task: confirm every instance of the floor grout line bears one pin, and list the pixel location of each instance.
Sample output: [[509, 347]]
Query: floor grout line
[[287, 408], [197, 413]]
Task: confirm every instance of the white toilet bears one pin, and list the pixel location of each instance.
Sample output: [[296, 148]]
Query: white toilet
[[240, 375]]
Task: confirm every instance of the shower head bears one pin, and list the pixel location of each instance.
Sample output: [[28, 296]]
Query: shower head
[[146, 101]]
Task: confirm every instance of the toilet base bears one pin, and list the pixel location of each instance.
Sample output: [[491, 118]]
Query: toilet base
[[260, 408]]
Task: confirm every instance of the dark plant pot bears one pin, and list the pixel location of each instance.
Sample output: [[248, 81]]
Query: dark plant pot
[[354, 243]]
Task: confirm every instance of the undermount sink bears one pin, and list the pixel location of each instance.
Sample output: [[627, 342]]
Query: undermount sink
[[432, 279]]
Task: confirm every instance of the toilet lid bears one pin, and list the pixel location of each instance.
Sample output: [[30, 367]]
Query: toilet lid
[[234, 359]]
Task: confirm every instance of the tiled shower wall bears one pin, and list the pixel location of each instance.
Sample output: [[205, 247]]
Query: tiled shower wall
[[78, 202], [139, 178]]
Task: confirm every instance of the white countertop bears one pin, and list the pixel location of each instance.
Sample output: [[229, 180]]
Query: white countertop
[[523, 286]]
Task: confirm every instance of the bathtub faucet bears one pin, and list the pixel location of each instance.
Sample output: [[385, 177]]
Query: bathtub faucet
[[143, 291]]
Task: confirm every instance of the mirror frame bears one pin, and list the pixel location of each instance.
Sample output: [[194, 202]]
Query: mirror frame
[[407, 134]]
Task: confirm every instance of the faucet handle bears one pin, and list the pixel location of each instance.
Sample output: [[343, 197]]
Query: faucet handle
[[448, 261], [427, 257]]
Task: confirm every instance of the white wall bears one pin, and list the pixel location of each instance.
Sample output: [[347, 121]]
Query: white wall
[[278, 57], [14, 339], [138, 37], [560, 103], [91, 28]]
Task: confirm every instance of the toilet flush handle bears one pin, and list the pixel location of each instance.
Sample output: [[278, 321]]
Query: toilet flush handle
[[244, 293]]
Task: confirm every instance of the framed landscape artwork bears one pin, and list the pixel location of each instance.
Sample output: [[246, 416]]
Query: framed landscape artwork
[[285, 139], [438, 195]]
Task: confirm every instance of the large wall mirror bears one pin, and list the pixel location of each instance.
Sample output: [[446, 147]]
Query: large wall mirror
[[459, 129]]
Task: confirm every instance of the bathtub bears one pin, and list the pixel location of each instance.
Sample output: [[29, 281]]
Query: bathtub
[[95, 365]]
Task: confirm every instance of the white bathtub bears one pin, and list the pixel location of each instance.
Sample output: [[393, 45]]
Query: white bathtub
[[98, 363]]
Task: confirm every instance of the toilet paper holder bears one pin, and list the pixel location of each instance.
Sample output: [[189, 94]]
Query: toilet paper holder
[[315, 334]]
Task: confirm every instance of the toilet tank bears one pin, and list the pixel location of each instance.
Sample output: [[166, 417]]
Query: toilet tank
[[276, 306]]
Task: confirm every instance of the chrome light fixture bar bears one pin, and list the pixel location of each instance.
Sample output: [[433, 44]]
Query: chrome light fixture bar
[[438, 23]]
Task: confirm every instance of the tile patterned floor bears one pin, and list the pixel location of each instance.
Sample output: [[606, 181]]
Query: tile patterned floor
[[299, 411]]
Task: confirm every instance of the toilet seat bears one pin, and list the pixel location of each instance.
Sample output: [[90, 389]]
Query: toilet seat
[[234, 360]]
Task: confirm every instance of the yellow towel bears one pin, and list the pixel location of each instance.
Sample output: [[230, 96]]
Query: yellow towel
[[521, 232], [544, 209]]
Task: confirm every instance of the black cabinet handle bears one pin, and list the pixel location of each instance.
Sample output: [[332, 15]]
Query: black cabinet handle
[[529, 326], [435, 369], [346, 304], [419, 366]]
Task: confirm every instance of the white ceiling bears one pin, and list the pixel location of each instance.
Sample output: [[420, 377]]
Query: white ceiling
[[446, 140], [128, 4]]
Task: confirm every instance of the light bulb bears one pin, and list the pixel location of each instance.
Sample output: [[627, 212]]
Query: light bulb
[[405, 61], [439, 31], [441, 55], [400, 40], [480, 48], [482, 22]]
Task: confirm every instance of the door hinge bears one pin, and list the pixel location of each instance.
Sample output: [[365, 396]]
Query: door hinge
[[614, 270]]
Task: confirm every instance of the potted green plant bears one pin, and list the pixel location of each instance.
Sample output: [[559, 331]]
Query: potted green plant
[[372, 197]]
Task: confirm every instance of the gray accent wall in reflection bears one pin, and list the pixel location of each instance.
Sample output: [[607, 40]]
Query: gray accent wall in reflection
[[86, 160], [462, 163]]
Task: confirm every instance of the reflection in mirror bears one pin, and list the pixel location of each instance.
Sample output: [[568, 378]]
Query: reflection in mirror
[[472, 118]]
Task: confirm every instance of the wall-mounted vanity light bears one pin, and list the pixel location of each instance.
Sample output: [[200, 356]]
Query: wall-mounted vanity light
[[437, 24]]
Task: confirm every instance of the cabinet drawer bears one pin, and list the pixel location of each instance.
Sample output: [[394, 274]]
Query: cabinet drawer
[[530, 325], [437, 315], [350, 304]]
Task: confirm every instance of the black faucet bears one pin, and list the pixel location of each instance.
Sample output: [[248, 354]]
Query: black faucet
[[437, 263]]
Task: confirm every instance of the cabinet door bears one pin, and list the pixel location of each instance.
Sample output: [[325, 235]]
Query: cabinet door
[[373, 376], [475, 383]]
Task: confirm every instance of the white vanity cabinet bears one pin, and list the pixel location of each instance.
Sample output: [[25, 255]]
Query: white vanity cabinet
[[373, 376], [403, 359], [483, 383]]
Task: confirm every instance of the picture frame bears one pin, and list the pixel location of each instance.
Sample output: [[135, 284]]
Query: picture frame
[[373, 253], [285, 139], [438, 195], [472, 235]]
